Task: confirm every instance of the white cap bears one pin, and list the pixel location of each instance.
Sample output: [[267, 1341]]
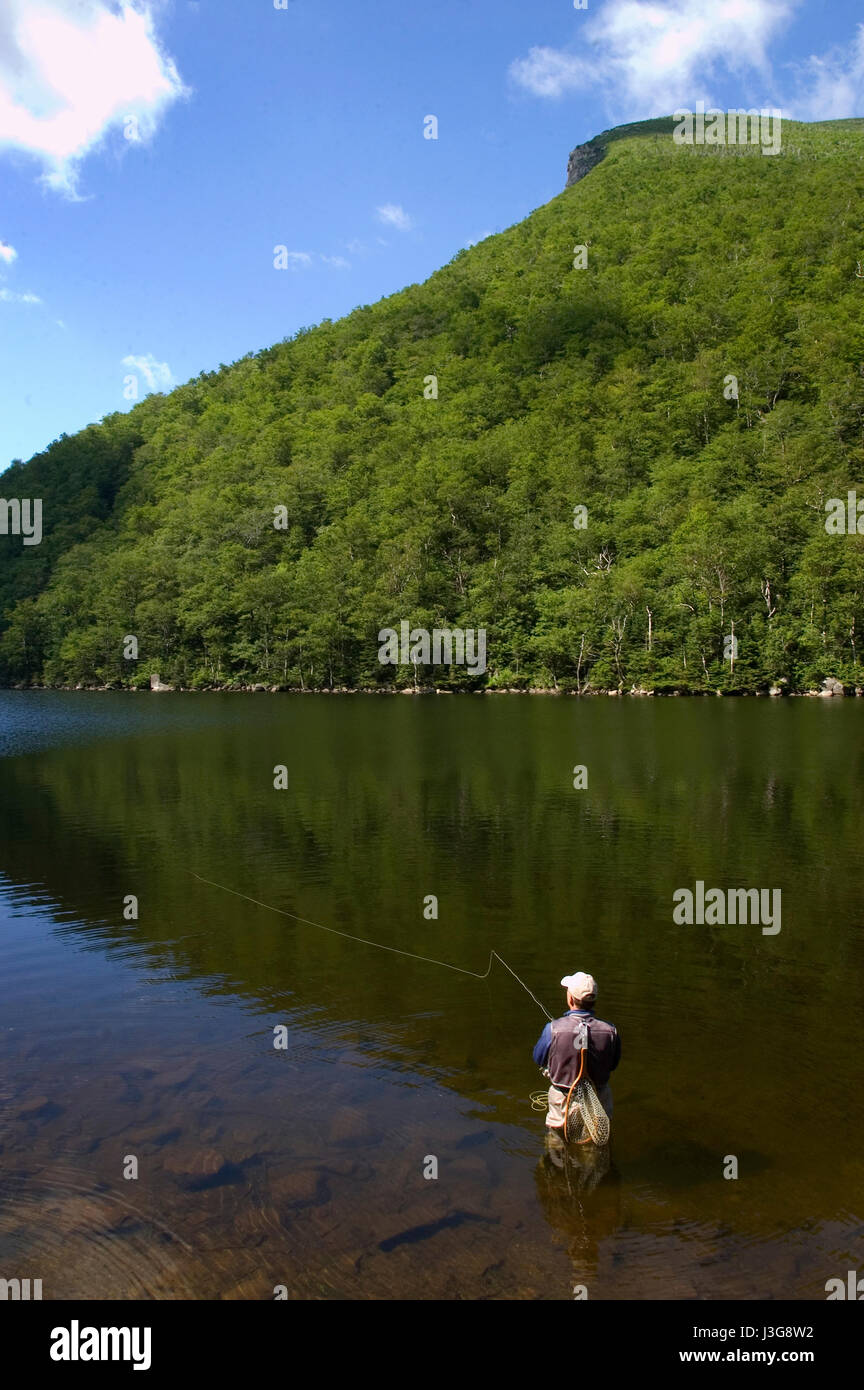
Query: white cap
[[580, 985]]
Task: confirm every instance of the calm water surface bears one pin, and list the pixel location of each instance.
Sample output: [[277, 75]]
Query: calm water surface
[[303, 1166]]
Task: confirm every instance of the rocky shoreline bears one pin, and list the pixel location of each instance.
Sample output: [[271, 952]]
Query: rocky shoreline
[[831, 689]]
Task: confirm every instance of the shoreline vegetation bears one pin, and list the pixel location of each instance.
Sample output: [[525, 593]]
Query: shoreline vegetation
[[831, 689]]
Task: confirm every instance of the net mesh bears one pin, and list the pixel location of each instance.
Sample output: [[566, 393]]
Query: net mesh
[[585, 1120]]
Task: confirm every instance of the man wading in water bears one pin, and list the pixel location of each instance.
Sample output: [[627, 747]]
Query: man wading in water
[[557, 1052]]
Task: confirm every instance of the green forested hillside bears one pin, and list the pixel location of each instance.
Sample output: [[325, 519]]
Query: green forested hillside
[[557, 387]]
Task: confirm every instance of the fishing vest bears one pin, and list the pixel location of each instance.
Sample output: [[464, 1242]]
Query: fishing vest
[[567, 1041]]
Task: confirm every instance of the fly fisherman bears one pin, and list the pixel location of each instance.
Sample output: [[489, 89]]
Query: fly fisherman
[[558, 1051]]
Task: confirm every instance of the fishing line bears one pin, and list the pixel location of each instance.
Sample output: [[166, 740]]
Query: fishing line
[[395, 950]]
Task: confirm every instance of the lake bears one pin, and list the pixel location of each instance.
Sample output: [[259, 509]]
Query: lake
[[147, 1043]]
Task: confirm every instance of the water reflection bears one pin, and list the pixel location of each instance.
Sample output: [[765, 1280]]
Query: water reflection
[[579, 1191], [304, 1166]]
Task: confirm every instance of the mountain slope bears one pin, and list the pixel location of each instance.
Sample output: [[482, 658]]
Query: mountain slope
[[601, 387]]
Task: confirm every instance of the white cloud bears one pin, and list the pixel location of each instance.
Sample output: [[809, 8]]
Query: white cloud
[[547, 72], [648, 57], [660, 53], [7, 253], [830, 86], [303, 260], [156, 374], [12, 297], [656, 54], [70, 70], [394, 216]]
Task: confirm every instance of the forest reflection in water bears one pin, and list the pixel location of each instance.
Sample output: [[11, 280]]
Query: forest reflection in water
[[303, 1167]]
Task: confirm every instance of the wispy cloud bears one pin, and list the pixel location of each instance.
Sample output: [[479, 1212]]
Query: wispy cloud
[[831, 86], [392, 215], [648, 57], [13, 297], [653, 54], [304, 260], [70, 71], [549, 72], [7, 253], [157, 375]]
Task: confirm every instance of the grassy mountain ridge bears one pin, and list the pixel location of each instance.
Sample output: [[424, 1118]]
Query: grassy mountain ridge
[[557, 387]]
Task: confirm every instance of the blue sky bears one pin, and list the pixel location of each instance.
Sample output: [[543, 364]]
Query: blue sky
[[302, 127]]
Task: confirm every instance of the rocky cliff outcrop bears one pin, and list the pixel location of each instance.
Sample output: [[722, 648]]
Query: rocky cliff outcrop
[[582, 161], [584, 157]]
